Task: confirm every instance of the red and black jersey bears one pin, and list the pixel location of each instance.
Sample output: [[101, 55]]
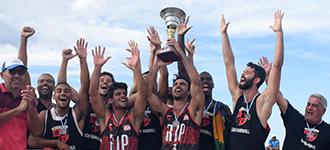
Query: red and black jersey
[[120, 135], [184, 135]]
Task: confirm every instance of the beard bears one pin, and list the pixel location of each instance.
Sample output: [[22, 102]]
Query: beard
[[248, 83], [45, 95]]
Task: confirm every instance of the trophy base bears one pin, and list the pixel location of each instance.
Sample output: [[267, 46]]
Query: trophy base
[[167, 54]]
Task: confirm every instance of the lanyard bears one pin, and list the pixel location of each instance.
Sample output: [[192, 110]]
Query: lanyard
[[176, 117], [63, 124], [311, 129], [122, 117], [248, 107]]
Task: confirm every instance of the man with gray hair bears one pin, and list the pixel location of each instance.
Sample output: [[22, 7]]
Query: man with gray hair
[[309, 131]]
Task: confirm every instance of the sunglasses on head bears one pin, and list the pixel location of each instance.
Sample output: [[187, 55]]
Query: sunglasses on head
[[19, 70]]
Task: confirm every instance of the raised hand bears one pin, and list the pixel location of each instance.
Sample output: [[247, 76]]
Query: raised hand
[[153, 38], [29, 95], [277, 27], [182, 28], [190, 47], [264, 63], [67, 54], [81, 48], [27, 32], [134, 60], [223, 25], [175, 44], [98, 55]]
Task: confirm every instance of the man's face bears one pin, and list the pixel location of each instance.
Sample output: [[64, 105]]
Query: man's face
[[105, 82], [13, 78], [207, 83], [119, 99], [314, 110], [62, 95], [247, 78], [45, 85], [180, 89]]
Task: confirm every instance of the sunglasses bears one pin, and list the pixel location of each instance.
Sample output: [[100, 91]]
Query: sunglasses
[[20, 71]]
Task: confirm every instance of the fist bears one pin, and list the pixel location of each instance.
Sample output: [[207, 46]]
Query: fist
[[27, 32]]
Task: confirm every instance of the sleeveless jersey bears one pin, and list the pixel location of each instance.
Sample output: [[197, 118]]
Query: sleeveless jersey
[[150, 137], [119, 136], [247, 132], [68, 133], [40, 106], [181, 135], [91, 130]]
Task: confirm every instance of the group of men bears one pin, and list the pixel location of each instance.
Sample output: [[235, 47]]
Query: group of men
[[152, 117]]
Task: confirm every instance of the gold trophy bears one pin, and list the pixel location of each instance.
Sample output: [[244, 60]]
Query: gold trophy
[[172, 17]]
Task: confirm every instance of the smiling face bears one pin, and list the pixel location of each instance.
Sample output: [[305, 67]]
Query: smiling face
[[119, 99], [180, 89], [45, 85], [207, 83], [314, 110], [105, 82], [62, 95]]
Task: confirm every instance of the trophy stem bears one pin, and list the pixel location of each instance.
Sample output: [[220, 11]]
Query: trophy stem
[[171, 32]]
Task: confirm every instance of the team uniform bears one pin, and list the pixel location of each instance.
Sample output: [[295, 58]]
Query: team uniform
[[119, 136], [303, 136], [91, 130], [179, 132], [64, 128], [215, 127], [13, 131], [150, 137], [246, 129]]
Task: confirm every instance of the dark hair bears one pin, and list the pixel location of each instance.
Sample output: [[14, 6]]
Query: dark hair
[[104, 73], [64, 84], [114, 86], [177, 77], [47, 74], [258, 72]]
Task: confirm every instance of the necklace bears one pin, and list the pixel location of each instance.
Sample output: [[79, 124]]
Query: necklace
[[311, 129], [176, 122], [63, 127], [248, 107]]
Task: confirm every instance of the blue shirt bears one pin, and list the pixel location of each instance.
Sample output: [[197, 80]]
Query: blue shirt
[[274, 144]]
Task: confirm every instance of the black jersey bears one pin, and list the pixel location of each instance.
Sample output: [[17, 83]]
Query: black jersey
[[40, 106], [150, 137], [246, 129], [298, 137], [91, 130], [64, 128]]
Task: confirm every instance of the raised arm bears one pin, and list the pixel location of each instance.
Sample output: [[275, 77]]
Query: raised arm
[[134, 64], [66, 56], [82, 105], [25, 34], [97, 100], [182, 29], [229, 61], [190, 47], [197, 96], [269, 96]]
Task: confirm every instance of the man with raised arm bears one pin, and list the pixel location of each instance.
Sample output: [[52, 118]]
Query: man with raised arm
[[180, 123], [252, 109], [303, 132], [17, 110], [122, 124], [62, 125]]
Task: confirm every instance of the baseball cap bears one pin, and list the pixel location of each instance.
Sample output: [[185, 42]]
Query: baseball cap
[[11, 64]]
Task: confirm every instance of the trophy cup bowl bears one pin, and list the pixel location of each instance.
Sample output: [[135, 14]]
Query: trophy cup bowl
[[172, 17]]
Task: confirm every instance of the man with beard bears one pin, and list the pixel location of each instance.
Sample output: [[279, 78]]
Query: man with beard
[[121, 124], [63, 125], [252, 110], [180, 123], [17, 109], [215, 126], [45, 87]]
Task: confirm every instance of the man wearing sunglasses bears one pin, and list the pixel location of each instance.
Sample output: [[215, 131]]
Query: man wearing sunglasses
[[17, 109]]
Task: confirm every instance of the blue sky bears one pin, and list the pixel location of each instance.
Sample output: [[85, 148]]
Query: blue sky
[[111, 23]]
